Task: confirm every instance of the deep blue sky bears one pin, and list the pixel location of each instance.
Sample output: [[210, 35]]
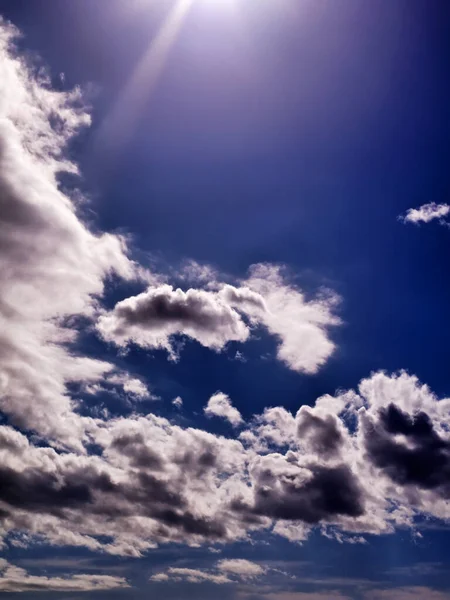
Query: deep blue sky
[[307, 162], [277, 138]]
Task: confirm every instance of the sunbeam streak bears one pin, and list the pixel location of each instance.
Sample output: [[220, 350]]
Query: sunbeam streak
[[119, 125]]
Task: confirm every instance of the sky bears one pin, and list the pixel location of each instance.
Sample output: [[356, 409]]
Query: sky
[[224, 291]]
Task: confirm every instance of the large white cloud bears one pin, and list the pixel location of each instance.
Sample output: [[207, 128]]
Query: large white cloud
[[51, 265]]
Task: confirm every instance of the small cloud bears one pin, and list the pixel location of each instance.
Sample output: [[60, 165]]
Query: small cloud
[[160, 577], [195, 272], [241, 567], [219, 405], [178, 402], [134, 388], [426, 213], [238, 568]]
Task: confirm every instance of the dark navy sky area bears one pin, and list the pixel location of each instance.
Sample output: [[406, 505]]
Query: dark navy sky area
[[287, 136]]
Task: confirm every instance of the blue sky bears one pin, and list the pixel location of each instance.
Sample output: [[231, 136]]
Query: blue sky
[[224, 299]]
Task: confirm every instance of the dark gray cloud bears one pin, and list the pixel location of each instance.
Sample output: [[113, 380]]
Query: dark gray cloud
[[321, 433], [36, 491], [421, 457], [329, 492], [134, 447]]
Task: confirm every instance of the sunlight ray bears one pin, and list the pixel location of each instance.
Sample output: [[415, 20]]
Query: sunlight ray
[[121, 121]]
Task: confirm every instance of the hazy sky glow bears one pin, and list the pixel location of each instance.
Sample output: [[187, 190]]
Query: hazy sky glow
[[224, 300]]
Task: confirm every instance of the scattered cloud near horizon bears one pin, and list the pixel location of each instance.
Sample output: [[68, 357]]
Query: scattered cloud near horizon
[[16, 579]]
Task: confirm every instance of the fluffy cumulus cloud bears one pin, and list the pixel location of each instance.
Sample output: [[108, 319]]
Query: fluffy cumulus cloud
[[220, 405], [426, 213], [52, 267], [301, 326], [152, 318], [366, 461], [215, 317], [15, 579]]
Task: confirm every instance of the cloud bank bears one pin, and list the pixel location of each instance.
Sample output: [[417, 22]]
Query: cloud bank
[[362, 462]]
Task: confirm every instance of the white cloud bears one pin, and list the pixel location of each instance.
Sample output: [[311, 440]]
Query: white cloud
[[238, 569], [132, 386], [193, 272], [241, 567], [152, 318], [51, 265], [274, 427], [426, 213], [160, 577], [214, 317], [219, 405], [300, 325], [178, 402], [15, 579], [190, 576]]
